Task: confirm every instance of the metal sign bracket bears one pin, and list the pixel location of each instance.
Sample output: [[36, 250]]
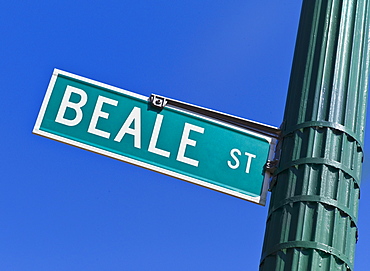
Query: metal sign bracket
[[160, 102]]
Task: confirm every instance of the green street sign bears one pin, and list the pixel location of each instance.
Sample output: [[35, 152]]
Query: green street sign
[[166, 139]]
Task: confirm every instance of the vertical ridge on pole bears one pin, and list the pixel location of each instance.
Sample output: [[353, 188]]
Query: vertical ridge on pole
[[312, 220]]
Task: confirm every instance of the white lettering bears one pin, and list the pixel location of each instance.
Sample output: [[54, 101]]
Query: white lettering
[[237, 163], [134, 117], [250, 156], [154, 138], [185, 140], [98, 113], [75, 106]]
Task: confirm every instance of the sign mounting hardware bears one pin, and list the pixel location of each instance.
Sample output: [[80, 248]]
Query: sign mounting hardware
[[158, 101]]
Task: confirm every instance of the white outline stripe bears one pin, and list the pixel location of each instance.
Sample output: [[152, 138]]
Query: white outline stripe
[[272, 141]]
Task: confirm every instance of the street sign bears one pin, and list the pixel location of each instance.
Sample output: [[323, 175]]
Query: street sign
[[163, 138]]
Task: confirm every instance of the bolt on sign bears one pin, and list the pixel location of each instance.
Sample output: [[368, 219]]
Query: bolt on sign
[[169, 140]]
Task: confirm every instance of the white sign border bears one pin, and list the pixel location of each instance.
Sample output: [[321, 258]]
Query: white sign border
[[261, 200]]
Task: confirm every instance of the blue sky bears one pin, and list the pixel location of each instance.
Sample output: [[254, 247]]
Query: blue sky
[[63, 208]]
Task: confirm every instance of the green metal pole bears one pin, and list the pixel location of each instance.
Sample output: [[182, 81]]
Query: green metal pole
[[312, 219]]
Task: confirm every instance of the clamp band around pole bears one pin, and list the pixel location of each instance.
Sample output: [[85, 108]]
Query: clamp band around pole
[[310, 245]]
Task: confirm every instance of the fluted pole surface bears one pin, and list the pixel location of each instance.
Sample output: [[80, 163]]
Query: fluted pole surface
[[312, 219]]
